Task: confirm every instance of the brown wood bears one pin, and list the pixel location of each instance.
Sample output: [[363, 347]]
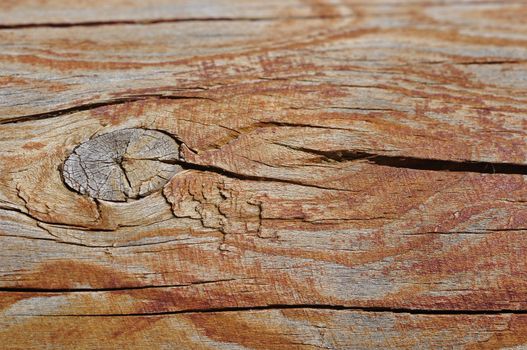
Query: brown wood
[[270, 329], [263, 175]]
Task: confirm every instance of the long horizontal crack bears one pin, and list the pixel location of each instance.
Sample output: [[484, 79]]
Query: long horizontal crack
[[161, 21], [90, 106], [234, 175], [490, 62], [278, 307], [519, 230], [39, 223], [154, 21], [450, 165], [109, 289], [420, 163]]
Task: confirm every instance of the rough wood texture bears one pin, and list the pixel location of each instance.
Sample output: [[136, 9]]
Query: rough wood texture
[[336, 175], [128, 163]]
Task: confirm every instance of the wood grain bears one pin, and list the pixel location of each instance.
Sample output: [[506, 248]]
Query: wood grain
[[353, 175], [270, 329]]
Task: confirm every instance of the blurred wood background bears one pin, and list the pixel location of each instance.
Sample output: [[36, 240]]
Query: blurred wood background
[[354, 175]]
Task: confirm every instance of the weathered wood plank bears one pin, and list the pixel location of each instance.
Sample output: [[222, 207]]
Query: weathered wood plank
[[57, 12], [354, 174], [420, 84], [269, 329], [286, 226]]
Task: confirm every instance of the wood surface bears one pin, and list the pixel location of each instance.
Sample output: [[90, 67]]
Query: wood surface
[[331, 174]]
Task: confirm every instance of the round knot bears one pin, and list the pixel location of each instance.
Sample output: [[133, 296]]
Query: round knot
[[128, 163]]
